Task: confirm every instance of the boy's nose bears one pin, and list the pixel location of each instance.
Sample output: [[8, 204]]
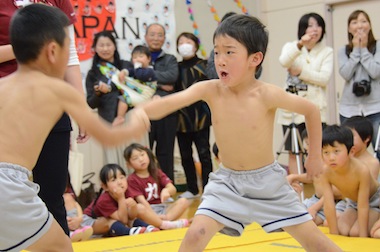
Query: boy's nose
[[221, 63]]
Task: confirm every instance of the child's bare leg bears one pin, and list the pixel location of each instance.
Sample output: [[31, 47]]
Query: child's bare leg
[[375, 230], [372, 218], [69, 201], [199, 234], [311, 237], [54, 240], [176, 209], [148, 215], [101, 226], [122, 109], [346, 221]]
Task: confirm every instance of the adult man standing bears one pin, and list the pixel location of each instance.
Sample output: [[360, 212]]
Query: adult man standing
[[163, 131]]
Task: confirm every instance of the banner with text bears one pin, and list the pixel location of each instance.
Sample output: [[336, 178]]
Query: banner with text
[[127, 19]]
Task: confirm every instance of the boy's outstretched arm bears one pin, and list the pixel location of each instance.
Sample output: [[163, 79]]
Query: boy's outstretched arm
[[73, 103], [160, 107]]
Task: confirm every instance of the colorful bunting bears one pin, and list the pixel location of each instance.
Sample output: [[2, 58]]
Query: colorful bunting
[[240, 5], [213, 10], [195, 26]]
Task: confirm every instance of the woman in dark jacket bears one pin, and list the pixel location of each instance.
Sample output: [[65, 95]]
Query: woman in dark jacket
[[102, 94], [194, 120]]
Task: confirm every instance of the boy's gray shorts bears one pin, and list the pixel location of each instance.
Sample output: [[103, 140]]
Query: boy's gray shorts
[[374, 202], [238, 198], [311, 201], [24, 216]]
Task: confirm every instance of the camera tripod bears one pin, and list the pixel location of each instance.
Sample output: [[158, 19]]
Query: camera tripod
[[297, 146]]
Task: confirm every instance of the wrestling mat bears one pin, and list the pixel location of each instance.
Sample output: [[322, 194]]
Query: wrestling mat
[[254, 238]]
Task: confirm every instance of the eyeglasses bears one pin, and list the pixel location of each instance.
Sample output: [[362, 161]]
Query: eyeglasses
[[157, 35]]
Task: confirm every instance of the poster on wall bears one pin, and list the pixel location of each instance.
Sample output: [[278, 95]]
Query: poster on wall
[[127, 20]]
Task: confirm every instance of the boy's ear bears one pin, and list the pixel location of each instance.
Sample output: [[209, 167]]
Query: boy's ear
[[104, 187], [352, 151], [51, 51], [367, 140], [256, 58]]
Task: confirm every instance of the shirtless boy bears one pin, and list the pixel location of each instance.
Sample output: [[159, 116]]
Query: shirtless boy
[[243, 111], [31, 101], [353, 179], [362, 131]]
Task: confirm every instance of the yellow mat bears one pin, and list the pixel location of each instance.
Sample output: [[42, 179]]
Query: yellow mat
[[254, 238]]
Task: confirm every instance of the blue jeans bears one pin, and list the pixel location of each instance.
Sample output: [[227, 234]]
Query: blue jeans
[[375, 120]]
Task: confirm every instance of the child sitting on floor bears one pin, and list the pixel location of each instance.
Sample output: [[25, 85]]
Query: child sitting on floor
[[119, 211], [353, 179], [152, 188], [75, 218], [362, 130], [314, 204]]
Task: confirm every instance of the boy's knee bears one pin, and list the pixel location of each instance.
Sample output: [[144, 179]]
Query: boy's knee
[[183, 202], [354, 232], [195, 234], [344, 230]]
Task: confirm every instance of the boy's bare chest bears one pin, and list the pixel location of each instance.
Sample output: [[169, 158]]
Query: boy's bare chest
[[347, 185]]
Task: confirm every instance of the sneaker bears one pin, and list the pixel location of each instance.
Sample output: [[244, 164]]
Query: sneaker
[[76, 235], [137, 230], [151, 228], [188, 195], [87, 232]]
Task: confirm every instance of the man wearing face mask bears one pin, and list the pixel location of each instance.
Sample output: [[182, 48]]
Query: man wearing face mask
[[194, 120], [165, 67]]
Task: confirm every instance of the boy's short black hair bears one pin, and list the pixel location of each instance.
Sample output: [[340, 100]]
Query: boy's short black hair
[[228, 14], [340, 134], [247, 30], [215, 150], [33, 26], [141, 49], [362, 125], [303, 24]]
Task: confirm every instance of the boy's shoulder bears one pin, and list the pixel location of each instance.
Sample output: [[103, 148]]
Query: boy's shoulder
[[30, 79], [358, 166]]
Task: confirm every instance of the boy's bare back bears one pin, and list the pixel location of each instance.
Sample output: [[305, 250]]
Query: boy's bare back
[[371, 162], [31, 103], [29, 109]]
